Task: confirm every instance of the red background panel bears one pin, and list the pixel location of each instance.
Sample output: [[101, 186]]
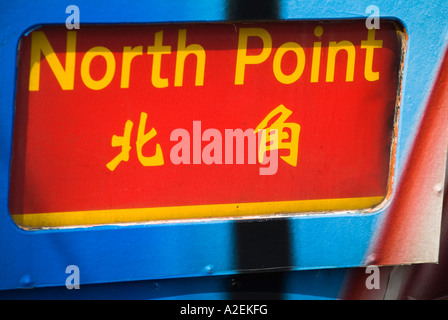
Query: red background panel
[[62, 138]]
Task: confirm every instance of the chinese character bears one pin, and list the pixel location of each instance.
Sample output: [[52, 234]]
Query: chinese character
[[125, 143], [279, 135]]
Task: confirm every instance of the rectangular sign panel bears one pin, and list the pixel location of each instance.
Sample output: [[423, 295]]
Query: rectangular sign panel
[[159, 122]]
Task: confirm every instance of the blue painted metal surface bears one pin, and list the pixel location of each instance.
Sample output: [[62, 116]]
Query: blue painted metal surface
[[300, 285], [144, 253]]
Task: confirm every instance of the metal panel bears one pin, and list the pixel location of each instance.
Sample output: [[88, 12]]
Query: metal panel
[[107, 254]]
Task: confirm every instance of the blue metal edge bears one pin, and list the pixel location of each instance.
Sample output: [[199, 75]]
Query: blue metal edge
[[155, 251]]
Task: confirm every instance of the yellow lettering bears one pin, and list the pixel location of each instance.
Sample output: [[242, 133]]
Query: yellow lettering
[[333, 48], [182, 52], [125, 143], [274, 135], [242, 58], [110, 68], [128, 54], [158, 49], [142, 138], [277, 64], [65, 76], [317, 48], [370, 44]]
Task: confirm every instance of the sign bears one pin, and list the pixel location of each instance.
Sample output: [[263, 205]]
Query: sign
[[137, 123]]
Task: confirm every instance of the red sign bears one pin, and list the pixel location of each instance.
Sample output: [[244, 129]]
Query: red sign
[[157, 122]]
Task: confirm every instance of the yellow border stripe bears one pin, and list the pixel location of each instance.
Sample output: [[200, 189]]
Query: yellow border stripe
[[98, 217]]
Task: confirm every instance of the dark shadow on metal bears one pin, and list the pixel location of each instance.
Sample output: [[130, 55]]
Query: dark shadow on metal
[[252, 10]]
